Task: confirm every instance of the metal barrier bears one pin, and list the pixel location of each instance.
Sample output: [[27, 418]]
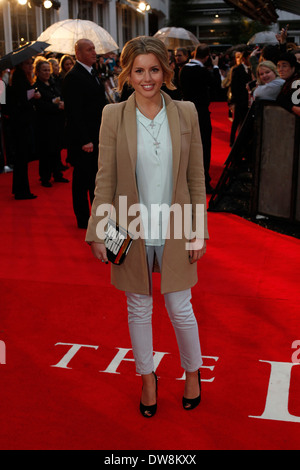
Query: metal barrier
[[277, 171], [262, 172]]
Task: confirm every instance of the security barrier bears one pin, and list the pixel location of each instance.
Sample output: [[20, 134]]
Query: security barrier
[[262, 172], [277, 171]]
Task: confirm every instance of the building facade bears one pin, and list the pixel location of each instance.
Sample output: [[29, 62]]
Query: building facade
[[212, 21], [25, 20]]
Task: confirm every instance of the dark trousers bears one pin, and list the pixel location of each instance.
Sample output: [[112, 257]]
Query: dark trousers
[[20, 176], [24, 151], [206, 132], [83, 185], [49, 161]]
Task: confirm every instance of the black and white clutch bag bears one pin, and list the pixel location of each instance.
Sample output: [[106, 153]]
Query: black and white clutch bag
[[118, 242]]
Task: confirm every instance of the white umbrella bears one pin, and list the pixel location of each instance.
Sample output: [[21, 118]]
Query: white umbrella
[[263, 38], [177, 37], [63, 35]]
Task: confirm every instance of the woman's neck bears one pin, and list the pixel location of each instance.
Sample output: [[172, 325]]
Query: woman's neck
[[149, 108]]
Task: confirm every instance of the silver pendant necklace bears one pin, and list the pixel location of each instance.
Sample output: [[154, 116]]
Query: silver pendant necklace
[[156, 143]]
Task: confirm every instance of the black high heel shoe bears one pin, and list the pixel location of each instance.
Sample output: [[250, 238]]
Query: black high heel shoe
[[191, 403], [149, 411]]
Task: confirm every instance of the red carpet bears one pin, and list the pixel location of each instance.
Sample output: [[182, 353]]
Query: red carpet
[[54, 295]]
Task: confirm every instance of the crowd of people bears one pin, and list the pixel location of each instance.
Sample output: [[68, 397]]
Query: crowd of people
[[266, 73], [35, 121]]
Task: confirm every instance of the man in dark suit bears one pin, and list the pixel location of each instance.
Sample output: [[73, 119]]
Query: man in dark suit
[[197, 82], [182, 57], [241, 76], [84, 98]]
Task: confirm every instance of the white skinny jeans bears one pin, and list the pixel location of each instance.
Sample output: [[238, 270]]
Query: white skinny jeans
[[182, 317]]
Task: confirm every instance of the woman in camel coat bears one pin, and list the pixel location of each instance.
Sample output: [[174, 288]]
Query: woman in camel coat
[[170, 171]]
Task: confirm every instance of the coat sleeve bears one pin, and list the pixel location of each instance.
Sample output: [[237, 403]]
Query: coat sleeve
[[196, 179], [106, 178]]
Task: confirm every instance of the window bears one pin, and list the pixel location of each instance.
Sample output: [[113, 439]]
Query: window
[[71, 9], [46, 18], [85, 10], [23, 23], [126, 24], [100, 15]]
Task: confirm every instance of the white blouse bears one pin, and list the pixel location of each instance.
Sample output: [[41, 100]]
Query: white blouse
[[154, 174]]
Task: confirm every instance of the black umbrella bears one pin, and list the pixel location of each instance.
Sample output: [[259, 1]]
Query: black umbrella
[[25, 52]]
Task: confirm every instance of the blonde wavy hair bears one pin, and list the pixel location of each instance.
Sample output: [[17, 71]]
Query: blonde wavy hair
[[144, 45], [269, 65]]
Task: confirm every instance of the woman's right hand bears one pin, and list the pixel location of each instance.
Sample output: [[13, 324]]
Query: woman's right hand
[[99, 251]]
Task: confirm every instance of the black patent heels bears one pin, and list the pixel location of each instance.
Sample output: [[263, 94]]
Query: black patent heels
[[149, 411], [191, 403]]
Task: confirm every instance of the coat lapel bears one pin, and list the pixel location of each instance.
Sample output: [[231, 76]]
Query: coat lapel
[[131, 129], [174, 124]]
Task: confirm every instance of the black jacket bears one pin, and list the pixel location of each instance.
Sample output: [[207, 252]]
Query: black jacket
[[49, 117], [239, 79], [19, 108], [197, 83], [84, 99]]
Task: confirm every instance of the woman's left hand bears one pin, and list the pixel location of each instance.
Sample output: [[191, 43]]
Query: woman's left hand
[[198, 250]]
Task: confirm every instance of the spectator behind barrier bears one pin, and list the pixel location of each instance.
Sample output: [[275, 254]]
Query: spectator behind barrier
[[269, 52], [296, 53], [269, 84], [289, 97]]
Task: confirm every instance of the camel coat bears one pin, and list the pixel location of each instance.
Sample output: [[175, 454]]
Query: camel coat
[[116, 177]]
